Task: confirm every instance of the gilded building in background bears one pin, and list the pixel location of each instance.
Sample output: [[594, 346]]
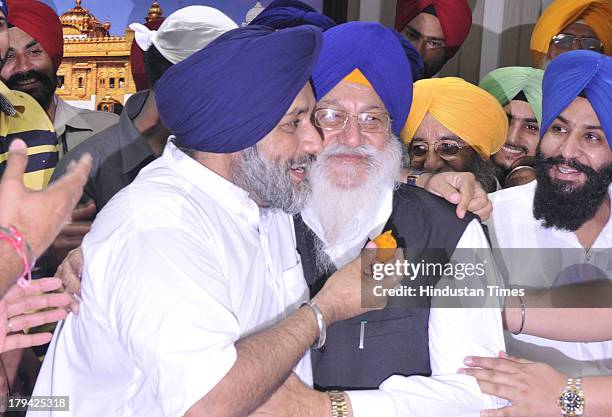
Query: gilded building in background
[[95, 72]]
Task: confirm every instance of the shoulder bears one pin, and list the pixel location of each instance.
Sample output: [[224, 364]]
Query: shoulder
[[514, 200], [99, 146], [415, 201], [30, 115], [99, 120]]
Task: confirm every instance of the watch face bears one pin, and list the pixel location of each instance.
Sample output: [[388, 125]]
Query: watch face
[[571, 402]]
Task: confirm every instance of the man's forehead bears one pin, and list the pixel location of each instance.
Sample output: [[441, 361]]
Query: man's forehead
[[579, 29], [580, 113], [350, 94], [427, 25], [519, 109], [19, 37]]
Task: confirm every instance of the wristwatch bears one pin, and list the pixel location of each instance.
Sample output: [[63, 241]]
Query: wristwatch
[[571, 399], [339, 408], [412, 177]]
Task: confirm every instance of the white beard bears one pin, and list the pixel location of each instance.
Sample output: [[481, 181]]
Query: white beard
[[345, 212]]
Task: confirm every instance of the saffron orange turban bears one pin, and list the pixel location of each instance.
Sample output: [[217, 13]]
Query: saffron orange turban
[[455, 18], [595, 13], [466, 110]]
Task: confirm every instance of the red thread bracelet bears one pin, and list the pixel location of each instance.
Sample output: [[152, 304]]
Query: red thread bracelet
[[17, 242]]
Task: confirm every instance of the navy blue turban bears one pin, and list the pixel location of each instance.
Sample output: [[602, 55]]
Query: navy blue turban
[[567, 76], [229, 95], [281, 14], [414, 58], [377, 53], [4, 8]]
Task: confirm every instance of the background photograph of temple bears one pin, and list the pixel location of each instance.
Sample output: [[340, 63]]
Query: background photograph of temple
[[95, 73]]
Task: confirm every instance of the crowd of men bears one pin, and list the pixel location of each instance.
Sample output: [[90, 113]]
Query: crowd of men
[[214, 242]]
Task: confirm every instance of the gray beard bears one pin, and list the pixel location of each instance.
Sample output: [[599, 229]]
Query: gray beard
[[341, 210], [269, 183]]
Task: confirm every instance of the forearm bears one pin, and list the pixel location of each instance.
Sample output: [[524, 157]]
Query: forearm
[[10, 267], [567, 324], [263, 362], [597, 395]]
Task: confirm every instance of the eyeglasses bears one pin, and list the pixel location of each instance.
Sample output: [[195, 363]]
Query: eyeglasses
[[330, 119], [414, 36], [446, 149], [566, 41]]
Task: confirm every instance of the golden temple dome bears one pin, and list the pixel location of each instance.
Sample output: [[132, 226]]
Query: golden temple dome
[[155, 12], [78, 21]]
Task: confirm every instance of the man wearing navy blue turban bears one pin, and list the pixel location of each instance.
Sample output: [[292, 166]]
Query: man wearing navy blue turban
[[281, 14], [363, 85], [194, 255], [563, 218]]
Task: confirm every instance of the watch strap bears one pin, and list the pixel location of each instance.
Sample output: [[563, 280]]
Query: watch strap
[[339, 407]]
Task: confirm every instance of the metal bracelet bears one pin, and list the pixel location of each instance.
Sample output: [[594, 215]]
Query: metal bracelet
[[320, 324], [520, 330]]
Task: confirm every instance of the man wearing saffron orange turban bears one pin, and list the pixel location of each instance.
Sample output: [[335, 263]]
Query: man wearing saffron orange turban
[[572, 24], [436, 28], [455, 126]]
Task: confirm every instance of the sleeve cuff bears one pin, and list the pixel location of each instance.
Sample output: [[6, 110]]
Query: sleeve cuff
[[371, 403]]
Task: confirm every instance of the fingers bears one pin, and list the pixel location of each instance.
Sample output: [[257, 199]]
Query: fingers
[[84, 213], [439, 185], [482, 207], [499, 390], [485, 375], [38, 302], [70, 272], [17, 292], [466, 189], [20, 341], [498, 364], [510, 411], [76, 229], [17, 161], [28, 321]]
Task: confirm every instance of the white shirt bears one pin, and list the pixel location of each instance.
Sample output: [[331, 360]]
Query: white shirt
[[178, 267], [454, 333], [560, 259]]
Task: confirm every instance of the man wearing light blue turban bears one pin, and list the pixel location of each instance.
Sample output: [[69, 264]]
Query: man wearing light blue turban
[[187, 266]]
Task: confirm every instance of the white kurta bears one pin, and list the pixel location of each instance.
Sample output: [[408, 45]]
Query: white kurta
[[178, 266], [560, 259], [454, 333]]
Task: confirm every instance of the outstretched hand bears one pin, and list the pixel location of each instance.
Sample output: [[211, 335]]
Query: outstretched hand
[[531, 387], [39, 215], [23, 308]]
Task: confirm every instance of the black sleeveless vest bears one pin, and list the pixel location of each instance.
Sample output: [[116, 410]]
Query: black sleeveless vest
[[395, 340]]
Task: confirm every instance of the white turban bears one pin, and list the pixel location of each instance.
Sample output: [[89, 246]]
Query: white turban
[[184, 32]]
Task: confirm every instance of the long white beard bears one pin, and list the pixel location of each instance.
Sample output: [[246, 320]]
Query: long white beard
[[341, 210]]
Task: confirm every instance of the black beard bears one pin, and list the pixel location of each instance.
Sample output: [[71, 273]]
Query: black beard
[[484, 171], [562, 205], [42, 95]]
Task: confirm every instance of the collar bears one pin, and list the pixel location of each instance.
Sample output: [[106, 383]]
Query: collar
[[68, 116], [134, 147], [350, 247], [14, 98], [232, 198]]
